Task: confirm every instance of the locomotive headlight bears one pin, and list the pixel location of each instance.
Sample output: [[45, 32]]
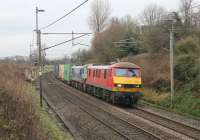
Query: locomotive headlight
[[137, 86], [119, 85]]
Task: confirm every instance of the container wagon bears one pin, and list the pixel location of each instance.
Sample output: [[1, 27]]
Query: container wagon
[[67, 73]]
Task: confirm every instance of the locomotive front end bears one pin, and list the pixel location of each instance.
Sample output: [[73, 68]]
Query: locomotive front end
[[127, 84]]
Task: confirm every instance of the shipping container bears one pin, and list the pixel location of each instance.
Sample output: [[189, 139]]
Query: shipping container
[[67, 72], [56, 70], [61, 72], [77, 73]]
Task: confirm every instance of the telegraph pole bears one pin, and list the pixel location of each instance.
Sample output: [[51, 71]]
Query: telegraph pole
[[172, 45], [172, 61], [40, 66], [38, 33]]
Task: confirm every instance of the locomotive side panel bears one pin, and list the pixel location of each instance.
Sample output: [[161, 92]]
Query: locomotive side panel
[[99, 77]]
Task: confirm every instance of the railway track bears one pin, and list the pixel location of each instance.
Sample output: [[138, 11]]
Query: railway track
[[96, 118], [166, 122], [88, 106], [58, 102], [127, 130]]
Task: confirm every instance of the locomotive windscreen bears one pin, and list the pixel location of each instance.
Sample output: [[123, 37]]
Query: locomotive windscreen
[[127, 72]]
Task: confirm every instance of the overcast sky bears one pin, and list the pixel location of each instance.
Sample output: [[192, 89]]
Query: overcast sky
[[17, 21]]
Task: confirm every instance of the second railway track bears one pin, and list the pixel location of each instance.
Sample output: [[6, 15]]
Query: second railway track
[[166, 122]]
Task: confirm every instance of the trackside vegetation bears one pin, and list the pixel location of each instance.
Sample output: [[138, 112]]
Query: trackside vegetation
[[145, 41], [187, 76], [48, 122], [21, 118], [183, 102]]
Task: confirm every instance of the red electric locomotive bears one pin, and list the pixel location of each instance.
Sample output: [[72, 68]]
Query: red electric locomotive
[[119, 83]]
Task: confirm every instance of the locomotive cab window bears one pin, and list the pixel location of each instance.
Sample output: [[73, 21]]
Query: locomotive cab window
[[127, 72], [133, 73]]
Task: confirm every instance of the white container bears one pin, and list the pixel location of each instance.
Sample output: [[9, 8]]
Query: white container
[[61, 72]]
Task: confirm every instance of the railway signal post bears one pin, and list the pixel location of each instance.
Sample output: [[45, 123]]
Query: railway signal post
[[38, 33], [172, 45]]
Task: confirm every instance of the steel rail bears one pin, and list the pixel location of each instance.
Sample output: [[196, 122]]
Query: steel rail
[[92, 115], [192, 129], [62, 85]]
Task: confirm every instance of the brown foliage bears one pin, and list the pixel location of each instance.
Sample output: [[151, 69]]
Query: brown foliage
[[18, 119], [103, 42], [155, 39], [103, 47], [155, 69]]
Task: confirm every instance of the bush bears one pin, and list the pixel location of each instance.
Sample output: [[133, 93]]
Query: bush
[[189, 46], [186, 68], [161, 85], [197, 85]]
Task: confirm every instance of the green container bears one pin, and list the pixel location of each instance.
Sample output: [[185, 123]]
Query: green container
[[67, 72]]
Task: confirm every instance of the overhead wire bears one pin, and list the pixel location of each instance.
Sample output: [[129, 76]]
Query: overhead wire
[[81, 44], [63, 42], [64, 33], [64, 15]]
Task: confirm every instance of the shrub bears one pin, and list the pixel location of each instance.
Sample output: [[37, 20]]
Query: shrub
[[197, 85], [189, 46], [186, 68], [161, 84]]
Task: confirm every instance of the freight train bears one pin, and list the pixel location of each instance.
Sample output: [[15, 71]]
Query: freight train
[[118, 83]]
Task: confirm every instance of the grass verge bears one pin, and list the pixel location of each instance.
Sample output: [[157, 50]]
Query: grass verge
[[150, 95], [48, 123], [183, 103]]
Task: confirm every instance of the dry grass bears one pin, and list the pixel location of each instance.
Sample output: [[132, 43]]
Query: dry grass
[[17, 114], [152, 96]]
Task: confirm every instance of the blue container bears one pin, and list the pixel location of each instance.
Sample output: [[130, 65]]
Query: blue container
[[77, 73], [56, 70]]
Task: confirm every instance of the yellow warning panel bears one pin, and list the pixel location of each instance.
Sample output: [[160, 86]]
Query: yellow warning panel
[[127, 80]]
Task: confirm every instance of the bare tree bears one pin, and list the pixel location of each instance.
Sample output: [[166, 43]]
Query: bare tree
[[152, 14], [100, 12], [130, 23], [186, 11], [196, 19]]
